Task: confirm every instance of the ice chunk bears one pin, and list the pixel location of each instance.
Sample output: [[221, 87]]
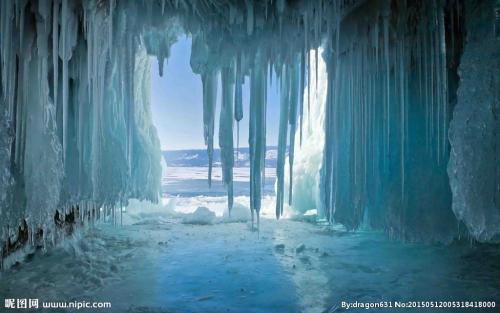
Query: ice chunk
[[239, 214], [201, 216], [300, 248]]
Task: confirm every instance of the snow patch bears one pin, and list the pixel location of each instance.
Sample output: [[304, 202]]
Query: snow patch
[[201, 216], [239, 214]]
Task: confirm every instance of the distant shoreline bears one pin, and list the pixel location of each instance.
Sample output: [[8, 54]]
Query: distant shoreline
[[199, 157]]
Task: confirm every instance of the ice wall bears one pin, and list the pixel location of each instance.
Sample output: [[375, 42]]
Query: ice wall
[[474, 130], [392, 82], [76, 124], [387, 118], [309, 144]]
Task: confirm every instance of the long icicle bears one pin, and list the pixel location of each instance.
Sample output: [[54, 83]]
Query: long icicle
[[226, 132], [292, 119], [209, 81], [238, 103], [282, 137]]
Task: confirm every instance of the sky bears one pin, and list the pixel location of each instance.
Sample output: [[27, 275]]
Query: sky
[[177, 104]]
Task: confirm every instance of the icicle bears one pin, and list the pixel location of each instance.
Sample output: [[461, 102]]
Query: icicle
[[110, 27], [226, 132], [301, 90], [238, 104], [237, 143], [387, 80], [256, 138], [282, 137], [55, 49], [160, 60], [64, 29], [250, 16], [316, 57], [21, 4], [309, 82], [238, 96], [402, 114], [209, 81], [438, 84], [292, 118], [426, 90], [263, 131], [444, 79]]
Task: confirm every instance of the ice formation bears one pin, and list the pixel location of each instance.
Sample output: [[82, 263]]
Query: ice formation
[[474, 169], [309, 145], [77, 132]]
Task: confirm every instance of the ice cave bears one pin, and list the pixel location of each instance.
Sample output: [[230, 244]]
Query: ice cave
[[349, 159]]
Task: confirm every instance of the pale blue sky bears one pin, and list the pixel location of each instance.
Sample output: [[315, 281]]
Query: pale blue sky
[[177, 104]]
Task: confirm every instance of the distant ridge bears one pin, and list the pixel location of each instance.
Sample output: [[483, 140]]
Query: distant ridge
[[199, 157]]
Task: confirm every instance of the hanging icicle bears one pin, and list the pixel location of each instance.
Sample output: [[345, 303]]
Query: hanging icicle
[[226, 131], [209, 81]]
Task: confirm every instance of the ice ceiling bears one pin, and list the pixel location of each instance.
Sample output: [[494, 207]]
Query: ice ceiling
[[401, 152]]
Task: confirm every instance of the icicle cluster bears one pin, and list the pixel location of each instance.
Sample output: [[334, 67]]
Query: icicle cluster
[[76, 124], [387, 118], [248, 50]]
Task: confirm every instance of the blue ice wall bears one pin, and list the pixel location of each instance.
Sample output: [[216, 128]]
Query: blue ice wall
[[474, 168], [387, 118]]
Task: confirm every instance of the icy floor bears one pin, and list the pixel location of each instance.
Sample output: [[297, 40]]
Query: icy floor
[[162, 265]]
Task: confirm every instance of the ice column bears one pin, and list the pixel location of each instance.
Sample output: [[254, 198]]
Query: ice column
[[257, 134]]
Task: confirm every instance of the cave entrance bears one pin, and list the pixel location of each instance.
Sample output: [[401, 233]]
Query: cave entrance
[[177, 113]]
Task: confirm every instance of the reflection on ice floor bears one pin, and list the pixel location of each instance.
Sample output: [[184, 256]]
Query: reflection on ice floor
[[161, 265]]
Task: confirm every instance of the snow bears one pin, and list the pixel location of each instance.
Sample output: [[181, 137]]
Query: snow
[[201, 216], [239, 214], [218, 205]]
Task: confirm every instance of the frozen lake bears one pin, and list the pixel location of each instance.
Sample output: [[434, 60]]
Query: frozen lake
[[192, 181]]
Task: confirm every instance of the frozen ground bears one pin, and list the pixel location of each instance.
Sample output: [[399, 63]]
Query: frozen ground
[[163, 265]]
